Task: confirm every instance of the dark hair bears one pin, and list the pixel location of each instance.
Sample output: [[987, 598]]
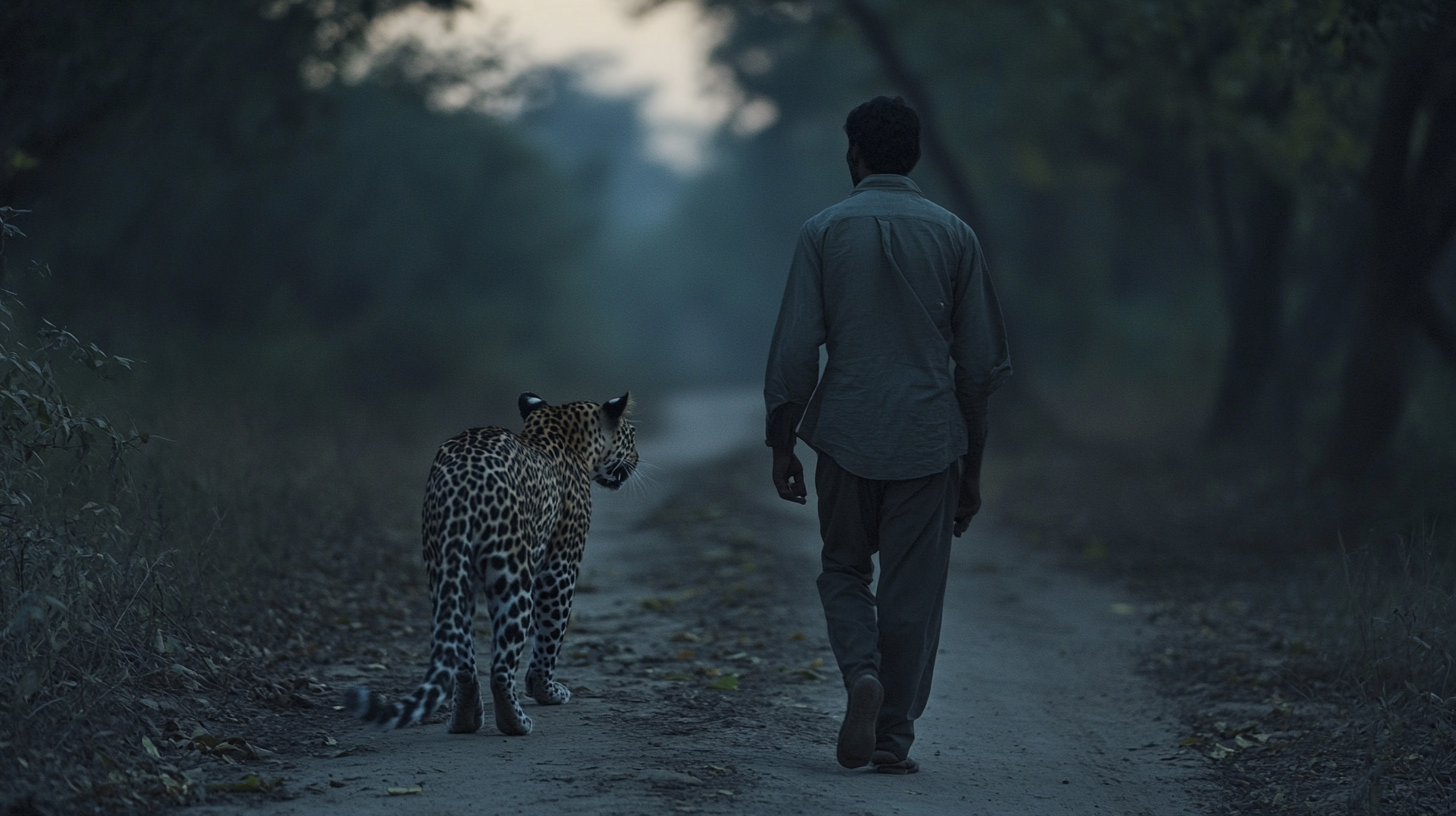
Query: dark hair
[[888, 134]]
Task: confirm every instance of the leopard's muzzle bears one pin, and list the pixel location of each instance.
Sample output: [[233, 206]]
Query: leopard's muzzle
[[612, 476]]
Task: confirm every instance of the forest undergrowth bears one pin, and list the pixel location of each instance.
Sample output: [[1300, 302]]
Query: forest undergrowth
[[1308, 636]]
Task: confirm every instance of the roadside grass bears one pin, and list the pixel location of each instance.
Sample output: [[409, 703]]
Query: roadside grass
[[1396, 622], [1391, 631], [1310, 643]]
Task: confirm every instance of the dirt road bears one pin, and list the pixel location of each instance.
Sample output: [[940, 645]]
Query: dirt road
[[699, 667]]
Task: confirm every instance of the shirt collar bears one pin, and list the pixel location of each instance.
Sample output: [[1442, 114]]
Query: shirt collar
[[887, 181]]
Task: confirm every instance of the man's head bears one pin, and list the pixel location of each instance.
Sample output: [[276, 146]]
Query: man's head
[[884, 137]]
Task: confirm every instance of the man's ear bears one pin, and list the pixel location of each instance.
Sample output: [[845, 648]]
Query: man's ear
[[529, 402], [616, 407]]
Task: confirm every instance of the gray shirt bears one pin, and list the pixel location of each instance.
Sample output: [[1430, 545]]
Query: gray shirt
[[896, 287]]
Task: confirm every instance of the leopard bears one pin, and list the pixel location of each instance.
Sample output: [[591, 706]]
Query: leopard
[[506, 516]]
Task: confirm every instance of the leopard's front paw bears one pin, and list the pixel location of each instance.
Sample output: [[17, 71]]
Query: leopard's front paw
[[509, 718], [513, 723], [546, 692]]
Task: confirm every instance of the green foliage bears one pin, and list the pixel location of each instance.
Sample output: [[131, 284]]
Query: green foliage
[[40, 427], [37, 419], [1292, 83]]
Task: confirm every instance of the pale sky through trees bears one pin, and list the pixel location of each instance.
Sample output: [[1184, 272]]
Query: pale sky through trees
[[662, 56]]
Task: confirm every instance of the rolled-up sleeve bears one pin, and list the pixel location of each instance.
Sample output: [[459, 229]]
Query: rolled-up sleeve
[[978, 345], [793, 357]]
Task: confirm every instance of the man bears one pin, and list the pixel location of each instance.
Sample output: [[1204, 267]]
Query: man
[[896, 288]]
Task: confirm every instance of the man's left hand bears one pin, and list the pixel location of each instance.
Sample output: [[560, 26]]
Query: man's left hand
[[969, 502], [788, 476]]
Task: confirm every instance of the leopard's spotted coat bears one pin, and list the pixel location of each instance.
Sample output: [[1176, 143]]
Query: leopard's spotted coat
[[507, 515]]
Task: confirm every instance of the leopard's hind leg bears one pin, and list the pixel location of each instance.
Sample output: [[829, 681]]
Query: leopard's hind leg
[[508, 598], [454, 642], [469, 715], [555, 586]]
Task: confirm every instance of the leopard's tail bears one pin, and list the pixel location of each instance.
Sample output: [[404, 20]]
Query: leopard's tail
[[365, 704]]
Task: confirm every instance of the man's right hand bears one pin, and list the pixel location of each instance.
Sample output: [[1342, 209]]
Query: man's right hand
[[788, 476], [968, 503]]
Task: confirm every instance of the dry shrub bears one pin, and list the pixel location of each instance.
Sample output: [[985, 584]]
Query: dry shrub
[[82, 603]]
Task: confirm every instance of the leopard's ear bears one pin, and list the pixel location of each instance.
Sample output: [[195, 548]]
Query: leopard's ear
[[617, 407], [529, 402]]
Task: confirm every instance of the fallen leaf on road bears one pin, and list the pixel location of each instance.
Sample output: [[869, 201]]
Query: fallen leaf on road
[[811, 671], [405, 791], [728, 682], [151, 748], [175, 784], [230, 748]]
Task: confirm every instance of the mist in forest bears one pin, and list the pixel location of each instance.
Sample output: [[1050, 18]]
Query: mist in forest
[[1189, 212]]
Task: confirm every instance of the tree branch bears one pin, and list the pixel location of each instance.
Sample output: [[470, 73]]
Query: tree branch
[[876, 35]]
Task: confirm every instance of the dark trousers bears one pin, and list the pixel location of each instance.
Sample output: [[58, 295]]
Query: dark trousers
[[894, 631]]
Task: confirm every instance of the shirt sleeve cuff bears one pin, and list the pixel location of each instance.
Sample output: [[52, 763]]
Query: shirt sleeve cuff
[[783, 422]]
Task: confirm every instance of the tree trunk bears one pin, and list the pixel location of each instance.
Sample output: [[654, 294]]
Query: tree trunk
[[1374, 388], [1252, 234], [1328, 311], [1413, 207]]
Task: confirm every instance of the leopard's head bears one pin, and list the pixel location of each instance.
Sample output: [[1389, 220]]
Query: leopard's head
[[619, 457], [600, 431]]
